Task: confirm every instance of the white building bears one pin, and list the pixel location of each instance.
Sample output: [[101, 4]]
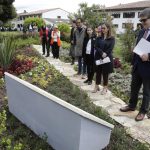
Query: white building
[[51, 16], [126, 13]]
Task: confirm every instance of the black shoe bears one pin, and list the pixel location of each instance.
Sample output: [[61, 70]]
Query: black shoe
[[43, 54], [89, 82], [47, 56], [126, 109], [86, 81], [72, 63]]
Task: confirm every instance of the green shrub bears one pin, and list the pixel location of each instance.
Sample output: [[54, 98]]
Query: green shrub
[[128, 42], [65, 32], [65, 37], [65, 45], [7, 52], [6, 140], [64, 28]]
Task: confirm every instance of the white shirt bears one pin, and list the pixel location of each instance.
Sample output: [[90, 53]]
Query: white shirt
[[88, 47], [30, 27], [55, 35]]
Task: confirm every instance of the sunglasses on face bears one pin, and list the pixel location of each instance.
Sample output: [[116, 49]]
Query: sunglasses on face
[[143, 20]]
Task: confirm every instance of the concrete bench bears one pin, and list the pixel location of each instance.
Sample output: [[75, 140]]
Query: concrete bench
[[66, 126]]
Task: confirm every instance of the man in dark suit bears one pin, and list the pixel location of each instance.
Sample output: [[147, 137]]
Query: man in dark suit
[[141, 72]]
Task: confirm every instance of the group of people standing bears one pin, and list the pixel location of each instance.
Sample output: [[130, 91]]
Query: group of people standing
[[93, 49], [89, 45], [50, 38]]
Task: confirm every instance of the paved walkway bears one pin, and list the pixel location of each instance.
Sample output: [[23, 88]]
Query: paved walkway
[[110, 103]]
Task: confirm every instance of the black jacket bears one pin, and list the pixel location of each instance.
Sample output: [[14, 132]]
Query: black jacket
[[72, 34], [49, 35], [85, 42], [106, 46], [143, 68]]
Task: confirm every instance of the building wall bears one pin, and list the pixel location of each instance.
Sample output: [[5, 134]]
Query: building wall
[[55, 13], [121, 20], [51, 14]]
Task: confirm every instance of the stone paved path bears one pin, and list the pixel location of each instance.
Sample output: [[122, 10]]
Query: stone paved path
[[110, 103]]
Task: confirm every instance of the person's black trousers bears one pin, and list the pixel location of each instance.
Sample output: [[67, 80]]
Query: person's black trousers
[[55, 50], [136, 84], [100, 74], [44, 45], [90, 67], [48, 47]]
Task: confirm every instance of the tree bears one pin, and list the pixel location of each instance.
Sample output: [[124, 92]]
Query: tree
[[7, 10], [38, 21], [91, 15]]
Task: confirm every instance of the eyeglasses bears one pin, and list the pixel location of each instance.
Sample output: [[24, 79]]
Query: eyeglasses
[[78, 22], [143, 20]]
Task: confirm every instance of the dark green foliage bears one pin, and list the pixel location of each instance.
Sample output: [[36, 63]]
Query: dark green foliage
[[7, 52], [90, 14], [37, 21], [7, 10], [128, 42]]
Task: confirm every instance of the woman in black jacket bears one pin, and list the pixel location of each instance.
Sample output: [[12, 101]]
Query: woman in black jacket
[[88, 54], [104, 47]]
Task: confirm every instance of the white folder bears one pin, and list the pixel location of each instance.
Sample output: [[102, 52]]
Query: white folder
[[143, 47]]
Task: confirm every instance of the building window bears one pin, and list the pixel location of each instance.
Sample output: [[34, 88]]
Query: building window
[[116, 15], [59, 17], [129, 15], [115, 25], [125, 25]]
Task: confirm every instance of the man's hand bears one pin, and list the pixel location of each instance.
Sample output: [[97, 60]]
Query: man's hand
[[145, 57], [104, 55]]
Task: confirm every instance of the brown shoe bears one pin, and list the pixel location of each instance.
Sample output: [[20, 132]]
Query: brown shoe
[[126, 109], [139, 117]]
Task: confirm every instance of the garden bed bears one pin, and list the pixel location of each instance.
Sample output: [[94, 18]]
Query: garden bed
[[46, 77]]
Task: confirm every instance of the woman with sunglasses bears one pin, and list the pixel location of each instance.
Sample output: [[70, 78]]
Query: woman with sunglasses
[[107, 43]]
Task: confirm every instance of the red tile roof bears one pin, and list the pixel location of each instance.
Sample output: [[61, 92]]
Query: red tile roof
[[135, 5]]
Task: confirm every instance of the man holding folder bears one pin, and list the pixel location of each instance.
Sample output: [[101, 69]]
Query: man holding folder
[[141, 69]]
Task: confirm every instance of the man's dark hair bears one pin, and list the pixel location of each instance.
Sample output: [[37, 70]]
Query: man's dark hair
[[145, 13], [80, 19]]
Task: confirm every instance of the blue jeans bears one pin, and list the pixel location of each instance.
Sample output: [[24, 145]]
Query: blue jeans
[[81, 66]]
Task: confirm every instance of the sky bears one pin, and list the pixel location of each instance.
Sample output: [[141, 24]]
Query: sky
[[68, 5]]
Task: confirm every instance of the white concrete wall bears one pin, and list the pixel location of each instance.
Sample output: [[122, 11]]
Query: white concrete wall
[[67, 127], [54, 13]]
